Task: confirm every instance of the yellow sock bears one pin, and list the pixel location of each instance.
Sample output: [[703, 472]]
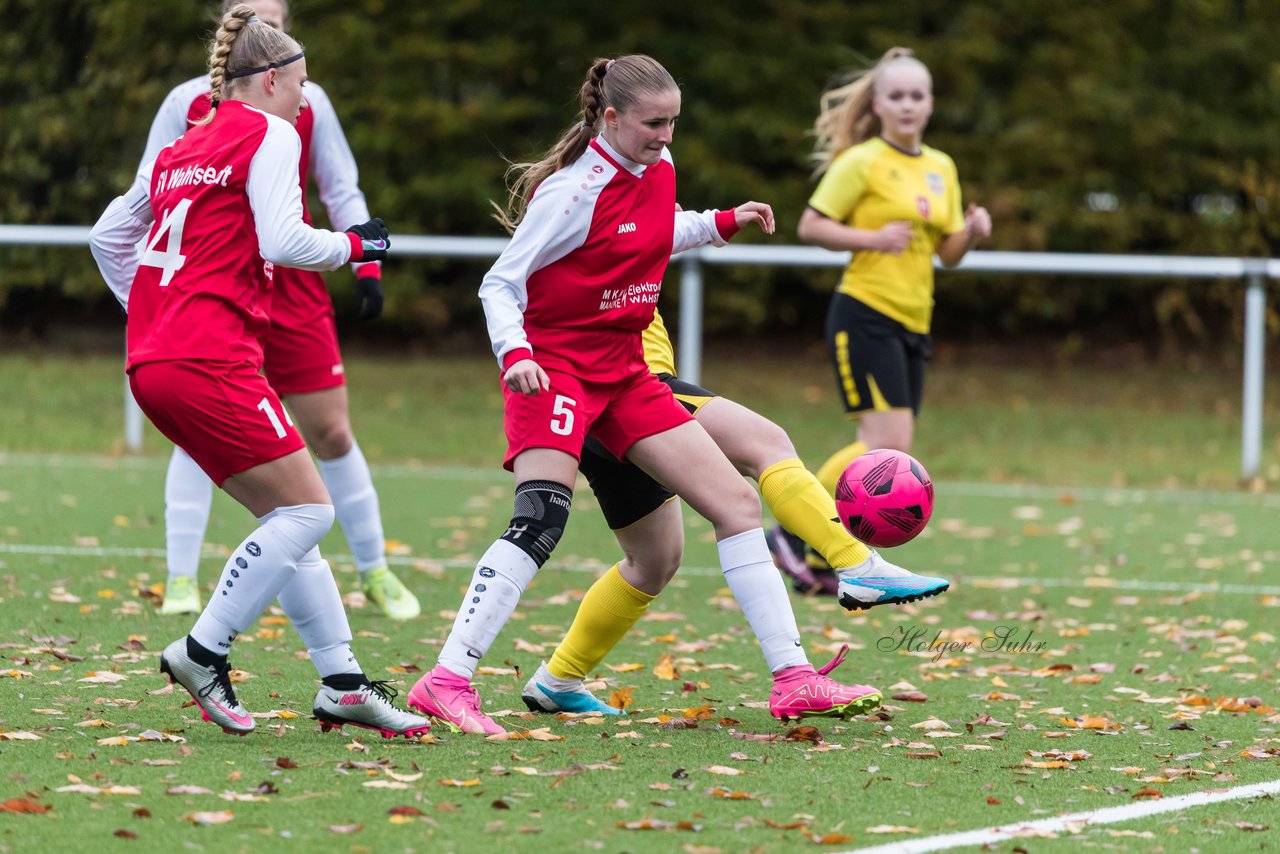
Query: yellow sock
[[610, 608], [802, 507], [829, 472]]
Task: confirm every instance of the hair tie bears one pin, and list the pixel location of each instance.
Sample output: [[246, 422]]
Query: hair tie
[[252, 19], [246, 72]]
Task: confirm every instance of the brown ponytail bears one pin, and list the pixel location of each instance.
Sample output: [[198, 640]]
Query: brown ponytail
[[616, 83]]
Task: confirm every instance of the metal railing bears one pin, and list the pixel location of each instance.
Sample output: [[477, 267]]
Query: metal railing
[[1252, 272]]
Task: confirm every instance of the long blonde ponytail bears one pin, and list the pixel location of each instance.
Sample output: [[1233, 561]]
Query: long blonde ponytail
[[845, 117]]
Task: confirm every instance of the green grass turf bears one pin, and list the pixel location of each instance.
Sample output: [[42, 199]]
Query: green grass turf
[[1171, 584]]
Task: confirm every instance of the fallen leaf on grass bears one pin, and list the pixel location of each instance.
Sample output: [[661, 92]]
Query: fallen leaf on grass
[[461, 783], [621, 698], [724, 769], [658, 824], [1247, 825], [208, 818], [731, 796], [387, 784], [911, 697], [539, 734], [22, 805], [406, 811], [1089, 722], [666, 669], [1147, 794], [19, 735], [346, 828], [625, 668], [103, 677], [188, 790], [892, 828]]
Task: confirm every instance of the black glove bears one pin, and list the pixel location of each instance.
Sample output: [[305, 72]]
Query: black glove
[[369, 290], [374, 238]]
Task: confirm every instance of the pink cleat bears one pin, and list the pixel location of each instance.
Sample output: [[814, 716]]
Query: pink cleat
[[801, 691], [444, 696]]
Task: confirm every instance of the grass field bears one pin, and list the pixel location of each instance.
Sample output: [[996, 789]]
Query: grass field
[[1110, 639]]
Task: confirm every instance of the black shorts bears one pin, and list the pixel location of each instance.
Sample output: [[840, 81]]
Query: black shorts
[[626, 494], [879, 363]]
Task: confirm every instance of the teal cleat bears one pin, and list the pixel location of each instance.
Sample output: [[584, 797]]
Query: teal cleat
[[547, 693]]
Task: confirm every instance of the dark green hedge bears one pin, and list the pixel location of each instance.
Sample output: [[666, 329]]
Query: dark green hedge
[[1165, 110]]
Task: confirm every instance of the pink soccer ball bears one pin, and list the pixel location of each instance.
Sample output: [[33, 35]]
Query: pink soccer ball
[[884, 498]]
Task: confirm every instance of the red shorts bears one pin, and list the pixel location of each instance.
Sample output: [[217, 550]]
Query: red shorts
[[301, 349], [224, 414], [617, 414]]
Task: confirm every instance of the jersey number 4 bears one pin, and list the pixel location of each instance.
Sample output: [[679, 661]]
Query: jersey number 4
[[170, 259]]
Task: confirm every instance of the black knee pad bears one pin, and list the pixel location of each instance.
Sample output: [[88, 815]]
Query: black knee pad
[[541, 514]]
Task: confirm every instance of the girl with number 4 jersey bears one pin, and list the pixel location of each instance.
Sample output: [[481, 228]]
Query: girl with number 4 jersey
[[220, 208], [302, 360]]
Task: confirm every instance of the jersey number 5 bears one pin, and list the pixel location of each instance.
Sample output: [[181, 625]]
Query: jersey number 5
[[170, 259], [562, 415]]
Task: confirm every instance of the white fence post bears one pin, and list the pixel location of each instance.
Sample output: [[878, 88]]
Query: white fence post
[[690, 357], [1255, 311]]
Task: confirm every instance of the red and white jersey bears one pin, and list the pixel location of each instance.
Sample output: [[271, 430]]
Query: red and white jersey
[[580, 279], [219, 207], [325, 152]]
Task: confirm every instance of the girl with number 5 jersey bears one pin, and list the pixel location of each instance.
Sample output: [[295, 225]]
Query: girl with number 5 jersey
[[219, 208], [594, 227]]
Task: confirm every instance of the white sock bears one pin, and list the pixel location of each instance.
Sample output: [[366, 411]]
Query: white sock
[[356, 502], [875, 566], [313, 604], [762, 595], [188, 496], [258, 570], [502, 574]]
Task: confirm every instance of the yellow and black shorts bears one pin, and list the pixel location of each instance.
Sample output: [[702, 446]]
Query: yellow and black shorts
[[627, 494], [879, 363]]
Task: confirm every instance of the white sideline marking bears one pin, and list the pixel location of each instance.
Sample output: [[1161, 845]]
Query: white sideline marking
[[1108, 815], [495, 474], [988, 582]]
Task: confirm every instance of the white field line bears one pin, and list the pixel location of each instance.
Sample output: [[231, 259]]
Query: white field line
[[1076, 821], [994, 582], [494, 474]]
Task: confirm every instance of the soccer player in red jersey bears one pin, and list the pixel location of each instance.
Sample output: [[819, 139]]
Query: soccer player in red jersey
[[595, 225], [303, 363], [220, 208]]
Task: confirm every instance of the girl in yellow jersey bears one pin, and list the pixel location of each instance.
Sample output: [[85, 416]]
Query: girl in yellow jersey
[[647, 523], [895, 202]]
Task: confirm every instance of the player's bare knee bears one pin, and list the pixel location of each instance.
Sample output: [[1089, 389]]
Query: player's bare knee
[[736, 511], [772, 445], [331, 440]]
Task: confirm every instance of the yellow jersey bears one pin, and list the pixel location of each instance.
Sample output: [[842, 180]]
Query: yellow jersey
[[658, 351], [872, 184]]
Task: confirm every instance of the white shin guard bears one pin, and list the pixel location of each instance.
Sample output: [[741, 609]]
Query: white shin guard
[[188, 497], [499, 579], [757, 585], [258, 570], [313, 604]]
